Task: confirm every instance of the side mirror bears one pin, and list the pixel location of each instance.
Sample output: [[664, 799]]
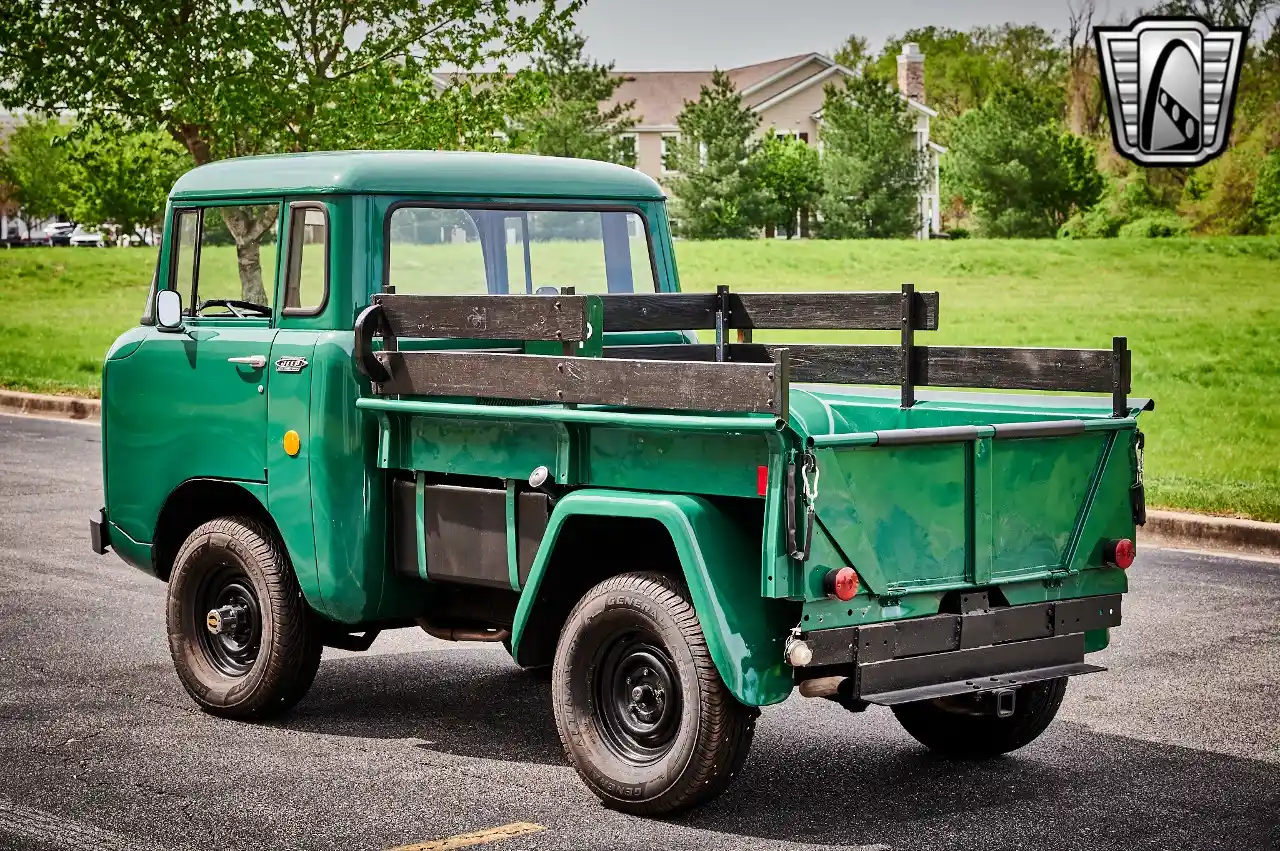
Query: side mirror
[[169, 310]]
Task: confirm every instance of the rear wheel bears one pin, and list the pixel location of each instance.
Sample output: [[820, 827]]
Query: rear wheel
[[641, 710], [967, 726], [240, 634]]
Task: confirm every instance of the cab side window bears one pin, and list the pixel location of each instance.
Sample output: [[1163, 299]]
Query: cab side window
[[224, 260], [306, 286], [185, 245]]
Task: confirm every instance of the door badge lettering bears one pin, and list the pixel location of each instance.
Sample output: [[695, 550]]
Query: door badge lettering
[[291, 364]]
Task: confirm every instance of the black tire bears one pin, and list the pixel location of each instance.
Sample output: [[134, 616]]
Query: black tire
[[967, 727], [266, 659], [656, 743]]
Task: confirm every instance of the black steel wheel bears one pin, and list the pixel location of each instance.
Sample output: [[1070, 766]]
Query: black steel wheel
[[638, 692], [643, 715], [968, 726], [240, 634]]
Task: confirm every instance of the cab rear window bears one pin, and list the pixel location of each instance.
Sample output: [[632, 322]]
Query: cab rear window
[[501, 251]]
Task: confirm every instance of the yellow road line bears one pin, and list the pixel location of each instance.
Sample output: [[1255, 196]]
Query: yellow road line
[[480, 837]]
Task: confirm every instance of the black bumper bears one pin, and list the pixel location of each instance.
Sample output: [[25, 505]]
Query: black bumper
[[941, 655], [99, 538]]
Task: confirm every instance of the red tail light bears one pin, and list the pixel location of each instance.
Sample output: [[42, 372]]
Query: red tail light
[[762, 480], [841, 584], [1119, 553]]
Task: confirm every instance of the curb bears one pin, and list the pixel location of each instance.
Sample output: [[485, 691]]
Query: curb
[[1164, 528], [67, 407], [1202, 532]]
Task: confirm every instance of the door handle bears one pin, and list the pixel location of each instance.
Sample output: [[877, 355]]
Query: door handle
[[255, 361]]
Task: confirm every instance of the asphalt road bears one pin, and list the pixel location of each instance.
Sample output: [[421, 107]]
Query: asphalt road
[[1176, 747]]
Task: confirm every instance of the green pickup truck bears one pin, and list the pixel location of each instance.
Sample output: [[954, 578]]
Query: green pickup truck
[[464, 393]]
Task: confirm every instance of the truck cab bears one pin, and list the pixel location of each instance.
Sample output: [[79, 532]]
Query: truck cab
[[463, 392]]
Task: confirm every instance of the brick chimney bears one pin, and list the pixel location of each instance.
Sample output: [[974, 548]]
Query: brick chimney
[[911, 72]]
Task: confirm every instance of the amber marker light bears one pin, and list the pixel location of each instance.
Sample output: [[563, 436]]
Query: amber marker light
[[1119, 553], [841, 584], [292, 443]]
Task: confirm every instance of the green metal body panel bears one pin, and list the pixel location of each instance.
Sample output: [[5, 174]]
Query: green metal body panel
[[744, 631], [1026, 518]]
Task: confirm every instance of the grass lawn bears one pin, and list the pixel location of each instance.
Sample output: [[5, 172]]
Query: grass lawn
[[1202, 316]]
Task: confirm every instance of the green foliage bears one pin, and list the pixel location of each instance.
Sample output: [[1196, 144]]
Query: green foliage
[[1266, 192], [872, 172], [124, 178], [1153, 227], [1136, 194], [1022, 175], [854, 52], [717, 192], [963, 69], [39, 170], [571, 123], [227, 79], [789, 171]]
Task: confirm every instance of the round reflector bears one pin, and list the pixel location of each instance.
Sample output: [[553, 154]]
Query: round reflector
[[841, 584], [1121, 553]]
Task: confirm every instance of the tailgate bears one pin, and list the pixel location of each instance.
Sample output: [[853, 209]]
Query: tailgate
[[961, 506]]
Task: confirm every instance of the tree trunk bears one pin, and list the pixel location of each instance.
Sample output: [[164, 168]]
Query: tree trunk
[[249, 260], [246, 229]]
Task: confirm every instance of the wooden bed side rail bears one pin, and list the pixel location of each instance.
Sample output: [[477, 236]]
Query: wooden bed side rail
[[644, 384]]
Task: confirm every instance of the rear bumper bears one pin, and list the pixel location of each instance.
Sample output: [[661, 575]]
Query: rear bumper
[[941, 655], [99, 537]]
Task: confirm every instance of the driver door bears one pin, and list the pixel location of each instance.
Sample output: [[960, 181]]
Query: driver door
[[212, 375]]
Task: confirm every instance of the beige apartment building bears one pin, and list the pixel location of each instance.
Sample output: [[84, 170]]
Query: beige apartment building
[[788, 96]]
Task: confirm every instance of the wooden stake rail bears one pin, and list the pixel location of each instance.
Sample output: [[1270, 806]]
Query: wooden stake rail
[[725, 376]]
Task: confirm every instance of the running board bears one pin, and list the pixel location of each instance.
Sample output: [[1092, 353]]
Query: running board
[[979, 684]]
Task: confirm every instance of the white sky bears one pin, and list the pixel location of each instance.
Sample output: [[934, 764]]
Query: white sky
[[645, 35]]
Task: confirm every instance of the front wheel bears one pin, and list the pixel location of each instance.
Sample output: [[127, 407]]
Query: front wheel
[[643, 715], [967, 726], [240, 634]]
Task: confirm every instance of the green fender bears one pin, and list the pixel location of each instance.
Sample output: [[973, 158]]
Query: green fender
[[745, 632]]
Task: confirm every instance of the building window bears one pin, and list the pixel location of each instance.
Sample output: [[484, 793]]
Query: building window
[[669, 143], [792, 134], [627, 150]]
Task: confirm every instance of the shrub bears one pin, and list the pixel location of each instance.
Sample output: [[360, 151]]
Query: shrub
[[1156, 226]]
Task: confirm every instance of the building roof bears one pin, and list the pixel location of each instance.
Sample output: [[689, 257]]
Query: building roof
[[660, 96], [438, 173]]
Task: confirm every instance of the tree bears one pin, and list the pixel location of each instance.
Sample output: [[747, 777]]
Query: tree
[[39, 170], [1266, 192], [962, 69], [1021, 174], [854, 52], [788, 171], [225, 78], [124, 178], [872, 172], [715, 188], [571, 123]]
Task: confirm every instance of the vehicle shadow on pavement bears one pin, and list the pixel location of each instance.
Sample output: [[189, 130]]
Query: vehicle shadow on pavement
[[819, 775], [482, 707], [1075, 788]]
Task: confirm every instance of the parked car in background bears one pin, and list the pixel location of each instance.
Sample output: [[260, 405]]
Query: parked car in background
[[82, 238], [58, 233]]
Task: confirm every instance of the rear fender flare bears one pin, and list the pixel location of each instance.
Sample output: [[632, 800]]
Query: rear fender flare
[[745, 631]]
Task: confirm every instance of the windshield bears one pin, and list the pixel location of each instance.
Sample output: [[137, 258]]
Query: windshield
[[455, 251]]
